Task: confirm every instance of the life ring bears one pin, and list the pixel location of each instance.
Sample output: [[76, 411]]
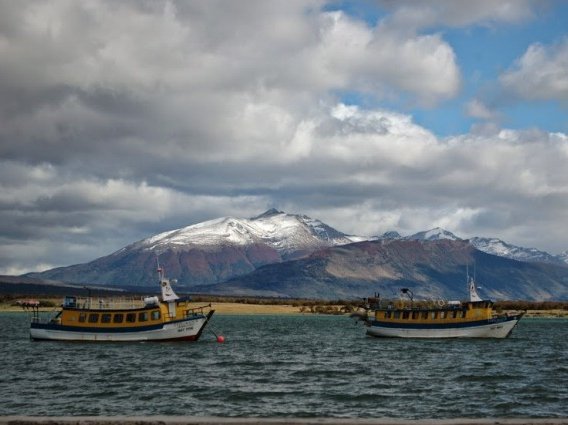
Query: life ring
[[441, 303]]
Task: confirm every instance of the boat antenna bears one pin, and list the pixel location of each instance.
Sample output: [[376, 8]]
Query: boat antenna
[[472, 289], [160, 270]]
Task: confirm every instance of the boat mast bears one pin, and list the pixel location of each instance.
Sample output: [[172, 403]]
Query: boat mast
[[168, 294]]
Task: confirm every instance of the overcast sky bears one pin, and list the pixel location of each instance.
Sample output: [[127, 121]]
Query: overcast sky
[[122, 119]]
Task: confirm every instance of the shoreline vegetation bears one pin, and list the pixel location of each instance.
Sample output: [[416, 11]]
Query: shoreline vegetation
[[253, 305]]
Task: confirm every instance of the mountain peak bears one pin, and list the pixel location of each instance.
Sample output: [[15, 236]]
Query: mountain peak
[[268, 213], [436, 233], [287, 235], [391, 235]]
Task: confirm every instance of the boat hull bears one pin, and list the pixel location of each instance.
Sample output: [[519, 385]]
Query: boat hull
[[189, 329], [492, 328]]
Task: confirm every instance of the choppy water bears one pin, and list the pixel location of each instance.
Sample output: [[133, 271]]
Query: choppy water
[[278, 366]]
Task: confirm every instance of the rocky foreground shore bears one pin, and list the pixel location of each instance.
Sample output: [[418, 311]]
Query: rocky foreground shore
[[184, 420]]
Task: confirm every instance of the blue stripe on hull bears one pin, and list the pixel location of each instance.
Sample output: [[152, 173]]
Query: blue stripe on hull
[[473, 324], [58, 327]]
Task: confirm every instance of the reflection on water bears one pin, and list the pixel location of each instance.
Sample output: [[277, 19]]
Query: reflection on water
[[289, 366]]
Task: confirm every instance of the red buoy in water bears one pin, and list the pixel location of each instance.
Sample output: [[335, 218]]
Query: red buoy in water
[[220, 339]]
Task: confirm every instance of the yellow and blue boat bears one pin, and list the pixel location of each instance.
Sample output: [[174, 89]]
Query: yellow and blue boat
[[165, 318], [405, 318]]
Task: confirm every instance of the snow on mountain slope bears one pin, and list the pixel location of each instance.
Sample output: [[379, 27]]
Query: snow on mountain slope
[[433, 235], [503, 249], [286, 233], [294, 235], [493, 246]]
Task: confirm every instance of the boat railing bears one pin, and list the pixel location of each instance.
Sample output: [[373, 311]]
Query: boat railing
[[190, 313], [93, 303], [196, 311], [403, 304]]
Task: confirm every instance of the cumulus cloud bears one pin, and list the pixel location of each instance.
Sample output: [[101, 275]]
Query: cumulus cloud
[[540, 74], [89, 78], [372, 61]]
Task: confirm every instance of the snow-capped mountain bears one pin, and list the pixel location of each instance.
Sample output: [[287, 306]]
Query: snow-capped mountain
[[226, 248], [288, 234], [503, 249], [208, 252], [492, 246]]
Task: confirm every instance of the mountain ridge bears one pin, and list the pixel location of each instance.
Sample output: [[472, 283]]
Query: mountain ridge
[[435, 269], [493, 246], [228, 249]]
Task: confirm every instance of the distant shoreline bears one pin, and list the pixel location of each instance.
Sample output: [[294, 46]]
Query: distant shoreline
[[223, 308]]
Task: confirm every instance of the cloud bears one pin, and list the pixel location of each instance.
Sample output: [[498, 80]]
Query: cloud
[[417, 15], [477, 109], [540, 74], [365, 172], [86, 85], [372, 61], [119, 120], [59, 218]]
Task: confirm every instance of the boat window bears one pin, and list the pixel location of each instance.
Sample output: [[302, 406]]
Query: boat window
[[397, 314], [131, 317], [118, 318], [464, 313], [387, 314], [156, 315], [105, 317], [434, 315], [415, 315], [424, 315], [70, 302], [82, 317], [405, 314], [455, 314], [93, 318], [143, 317], [443, 315]]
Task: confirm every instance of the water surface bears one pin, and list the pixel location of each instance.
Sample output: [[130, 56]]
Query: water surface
[[277, 366]]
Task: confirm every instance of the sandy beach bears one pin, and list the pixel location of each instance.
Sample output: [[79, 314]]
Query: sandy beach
[[220, 308], [238, 308]]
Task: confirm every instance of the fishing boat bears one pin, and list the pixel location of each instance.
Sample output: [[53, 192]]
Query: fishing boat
[[406, 318], [165, 318]]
